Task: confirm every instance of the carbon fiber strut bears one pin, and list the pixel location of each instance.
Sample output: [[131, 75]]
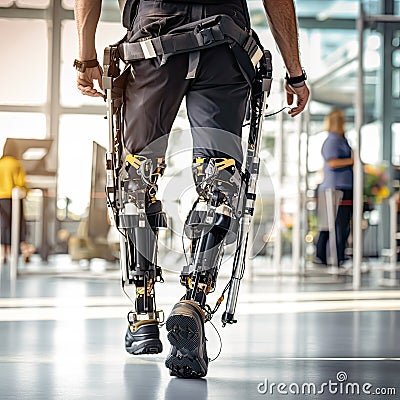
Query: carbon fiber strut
[[260, 92]]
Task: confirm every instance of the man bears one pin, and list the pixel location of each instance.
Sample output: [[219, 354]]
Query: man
[[215, 81]]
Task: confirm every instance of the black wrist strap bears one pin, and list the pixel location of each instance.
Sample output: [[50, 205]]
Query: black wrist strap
[[296, 79]]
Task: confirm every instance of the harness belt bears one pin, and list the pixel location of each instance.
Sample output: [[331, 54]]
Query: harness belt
[[207, 32]]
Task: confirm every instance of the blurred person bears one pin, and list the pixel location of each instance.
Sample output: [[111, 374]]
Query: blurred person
[[338, 175], [12, 175], [216, 80]]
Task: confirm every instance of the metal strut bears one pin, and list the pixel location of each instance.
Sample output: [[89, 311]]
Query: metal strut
[[260, 91], [111, 71]]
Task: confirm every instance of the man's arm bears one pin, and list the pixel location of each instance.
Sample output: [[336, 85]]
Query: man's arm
[[283, 24], [87, 15]]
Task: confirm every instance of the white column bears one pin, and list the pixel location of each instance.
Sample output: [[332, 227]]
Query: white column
[[17, 195], [296, 231], [277, 258], [358, 169], [393, 236]]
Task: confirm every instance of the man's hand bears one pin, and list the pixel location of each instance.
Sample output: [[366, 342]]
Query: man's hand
[[85, 81], [87, 14], [282, 21], [302, 93]]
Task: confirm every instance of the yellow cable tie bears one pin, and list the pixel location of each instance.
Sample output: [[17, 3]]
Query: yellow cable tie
[[225, 163], [135, 160]]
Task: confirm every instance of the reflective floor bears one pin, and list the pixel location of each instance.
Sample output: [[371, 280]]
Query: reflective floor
[[61, 337]]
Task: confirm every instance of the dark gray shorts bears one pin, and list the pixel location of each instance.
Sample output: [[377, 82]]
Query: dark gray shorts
[[215, 99]]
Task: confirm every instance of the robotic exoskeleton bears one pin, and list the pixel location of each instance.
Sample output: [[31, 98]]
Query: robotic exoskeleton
[[131, 188], [226, 190], [223, 212]]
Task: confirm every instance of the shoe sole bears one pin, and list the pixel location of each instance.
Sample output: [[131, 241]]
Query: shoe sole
[[184, 360], [147, 346]]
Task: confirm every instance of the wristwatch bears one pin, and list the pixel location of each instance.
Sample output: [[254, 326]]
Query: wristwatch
[[82, 65], [296, 81]]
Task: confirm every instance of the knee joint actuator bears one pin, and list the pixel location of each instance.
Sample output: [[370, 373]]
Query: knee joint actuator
[[219, 186], [140, 217], [212, 223]]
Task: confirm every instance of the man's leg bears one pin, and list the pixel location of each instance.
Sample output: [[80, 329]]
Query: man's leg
[[152, 98], [216, 106], [139, 221]]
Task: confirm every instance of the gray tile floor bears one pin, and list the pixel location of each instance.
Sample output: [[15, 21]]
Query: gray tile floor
[[61, 337]]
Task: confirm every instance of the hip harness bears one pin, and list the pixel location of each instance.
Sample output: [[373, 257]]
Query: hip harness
[[192, 37]]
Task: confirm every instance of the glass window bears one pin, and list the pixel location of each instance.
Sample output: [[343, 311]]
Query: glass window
[[77, 133], [107, 33], [396, 58], [371, 146], [396, 143], [321, 10], [33, 3], [396, 83], [334, 44], [68, 4], [109, 4], [397, 7], [371, 6], [315, 162], [22, 126], [24, 61]]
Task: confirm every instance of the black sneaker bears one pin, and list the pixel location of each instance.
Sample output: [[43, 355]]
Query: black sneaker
[[143, 338], [188, 354]]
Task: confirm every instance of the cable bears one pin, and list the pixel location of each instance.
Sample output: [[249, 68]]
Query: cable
[[244, 259], [220, 343], [126, 294], [118, 228], [276, 112], [184, 250], [227, 286], [268, 115]]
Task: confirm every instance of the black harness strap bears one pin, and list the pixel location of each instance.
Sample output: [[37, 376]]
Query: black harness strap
[[208, 32]]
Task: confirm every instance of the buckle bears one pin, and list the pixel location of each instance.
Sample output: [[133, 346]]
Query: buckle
[[82, 65], [207, 36], [148, 49]]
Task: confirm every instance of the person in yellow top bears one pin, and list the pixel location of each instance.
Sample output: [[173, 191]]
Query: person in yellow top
[[12, 175]]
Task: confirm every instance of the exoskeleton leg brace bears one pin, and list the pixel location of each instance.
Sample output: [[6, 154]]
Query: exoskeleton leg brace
[[212, 223], [140, 218], [137, 214], [223, 212]]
